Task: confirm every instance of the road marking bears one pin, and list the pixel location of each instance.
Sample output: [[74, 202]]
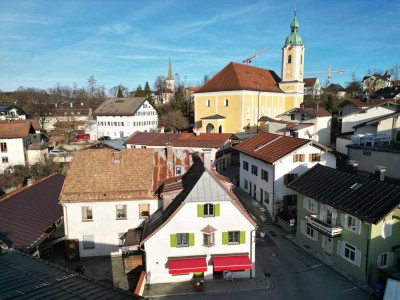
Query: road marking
[[316, 266], [350, 289]]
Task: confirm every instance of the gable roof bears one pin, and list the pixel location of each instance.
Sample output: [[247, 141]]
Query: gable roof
[[371, 201], [376, 120], [187, 139], [334, 87], [237, 76], [93, 175], [309, 82], [270, 147], [370, 103], [19, 129], [189, 181], [27, 277], [320, 112], [28, 212], [120, 106]]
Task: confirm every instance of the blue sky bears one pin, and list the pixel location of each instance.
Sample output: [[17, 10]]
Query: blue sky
[[129, 41]]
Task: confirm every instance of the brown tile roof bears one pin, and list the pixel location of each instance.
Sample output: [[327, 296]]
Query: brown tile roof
[[270, 147], [193, 88], [28, 212], [15, 129], [93, 175], [119, 106], [320, 112], [187, 139], [309, 82], [370, 103], [237, 76]]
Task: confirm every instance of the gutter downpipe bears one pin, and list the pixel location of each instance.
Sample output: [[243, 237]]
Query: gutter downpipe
[[258, 109], [251, 249], [367, 253]]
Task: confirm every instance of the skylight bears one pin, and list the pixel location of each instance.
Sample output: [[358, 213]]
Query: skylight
[[356, 186]]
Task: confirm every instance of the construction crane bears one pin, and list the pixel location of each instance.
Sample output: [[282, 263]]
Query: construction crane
[[330, 72], [247, 61]]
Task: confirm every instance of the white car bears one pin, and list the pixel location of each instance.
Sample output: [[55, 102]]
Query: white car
[[56, 152]]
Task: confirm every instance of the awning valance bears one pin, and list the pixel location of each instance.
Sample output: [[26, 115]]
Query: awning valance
[[187, 265], [231, 263]]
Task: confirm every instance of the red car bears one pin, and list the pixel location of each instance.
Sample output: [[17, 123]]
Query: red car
[[81, 137]]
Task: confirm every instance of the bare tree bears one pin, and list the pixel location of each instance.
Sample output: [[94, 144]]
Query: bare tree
[[160, 87], [91, 86], [394, 71], [174, 121]]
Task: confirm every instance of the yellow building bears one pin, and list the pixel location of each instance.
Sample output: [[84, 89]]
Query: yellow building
[[239, 95]]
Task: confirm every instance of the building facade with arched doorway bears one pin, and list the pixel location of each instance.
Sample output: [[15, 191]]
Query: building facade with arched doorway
[[239, 95]]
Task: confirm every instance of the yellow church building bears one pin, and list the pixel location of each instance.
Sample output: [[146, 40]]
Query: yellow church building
[[239, 95]]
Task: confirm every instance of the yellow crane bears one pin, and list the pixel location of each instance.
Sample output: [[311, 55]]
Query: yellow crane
[[330, 72], [247, 61]]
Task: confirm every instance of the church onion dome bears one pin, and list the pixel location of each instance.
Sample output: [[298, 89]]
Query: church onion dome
[[294, 38]]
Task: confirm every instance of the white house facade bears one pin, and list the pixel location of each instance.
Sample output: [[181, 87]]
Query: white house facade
[[121, 117], [206, 232], [269, 162]]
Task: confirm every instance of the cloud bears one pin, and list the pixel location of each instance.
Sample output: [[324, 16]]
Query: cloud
[[22, 19], [117, 28]]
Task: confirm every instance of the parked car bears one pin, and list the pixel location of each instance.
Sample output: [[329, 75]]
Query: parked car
[[56, 152], [81, 137], [104, 138]]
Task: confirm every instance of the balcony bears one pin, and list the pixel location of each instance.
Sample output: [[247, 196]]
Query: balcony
[[324, 228]]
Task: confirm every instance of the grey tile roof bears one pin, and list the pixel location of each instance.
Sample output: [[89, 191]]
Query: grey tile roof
[[119, 106], [27, 277], [371, 201]]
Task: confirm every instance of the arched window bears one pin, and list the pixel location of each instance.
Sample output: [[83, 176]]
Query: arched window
[[208, 103], [226, 102], [220, 129], [289, 59]]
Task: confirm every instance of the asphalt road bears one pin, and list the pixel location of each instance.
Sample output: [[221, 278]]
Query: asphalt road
[[293, 273]]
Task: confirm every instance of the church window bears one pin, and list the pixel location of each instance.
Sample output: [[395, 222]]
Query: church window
[[301, 59], [226, 102], [289, 60], [208, 103]]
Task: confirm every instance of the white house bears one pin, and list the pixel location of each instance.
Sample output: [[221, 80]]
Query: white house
[[219, 144], [312, 87], [306, 123], [121, 117], [107, 192], [19, 144], [202, 230], [355, 112], [268, 162], [11, 112]]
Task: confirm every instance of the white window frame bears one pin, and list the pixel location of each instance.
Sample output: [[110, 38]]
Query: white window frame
[[310, 204], [387, 226], [88, 242], [182, 239], [85, 216], [178, 170], [120, 212], [233, 237], [208, 239], [353, 228], [308, 231], [208, 210], [385, 260], [347, 251], [144, 210]]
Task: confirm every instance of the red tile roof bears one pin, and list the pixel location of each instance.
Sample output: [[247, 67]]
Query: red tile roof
[[309, 81], [237, 76], [270, 147], [320, 112], [10, 129], [28, 212], [187, 139]]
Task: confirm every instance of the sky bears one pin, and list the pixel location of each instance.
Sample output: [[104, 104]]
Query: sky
[[129, 42]]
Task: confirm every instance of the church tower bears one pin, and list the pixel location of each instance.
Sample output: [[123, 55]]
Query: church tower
[[293, 65], [170, 82]]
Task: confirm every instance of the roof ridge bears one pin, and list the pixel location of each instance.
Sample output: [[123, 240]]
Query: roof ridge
[[268, 143]]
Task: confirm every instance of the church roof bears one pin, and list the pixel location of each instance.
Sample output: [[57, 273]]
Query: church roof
[[294, 39], [237, 76]]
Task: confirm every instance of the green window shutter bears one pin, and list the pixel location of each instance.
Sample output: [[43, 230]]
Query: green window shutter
[[225, 238], [242, 237], [191, 239], [200, 210], [216, 210], [173, 240]]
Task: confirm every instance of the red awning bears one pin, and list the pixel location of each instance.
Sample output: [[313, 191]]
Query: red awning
[[187, 265], [231, 263]]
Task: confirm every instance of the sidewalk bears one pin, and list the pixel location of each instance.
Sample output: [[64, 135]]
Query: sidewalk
[[259, 282]]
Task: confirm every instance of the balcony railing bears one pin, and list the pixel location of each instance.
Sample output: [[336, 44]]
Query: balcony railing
[[324, 228]]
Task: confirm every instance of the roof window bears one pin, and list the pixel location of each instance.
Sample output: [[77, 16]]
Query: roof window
[[356, 186]]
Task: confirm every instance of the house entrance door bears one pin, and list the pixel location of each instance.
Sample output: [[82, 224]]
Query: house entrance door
[[328, 245]]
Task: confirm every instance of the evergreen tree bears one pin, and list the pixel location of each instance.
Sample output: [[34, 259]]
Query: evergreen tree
[[147, 90], [120, 94], [139, 91]]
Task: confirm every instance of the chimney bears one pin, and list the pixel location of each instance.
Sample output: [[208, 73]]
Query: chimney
[[380, 173], [352, 166], [207, 158], [302, 105], [162, 129], [29, 181], [116, 157]]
